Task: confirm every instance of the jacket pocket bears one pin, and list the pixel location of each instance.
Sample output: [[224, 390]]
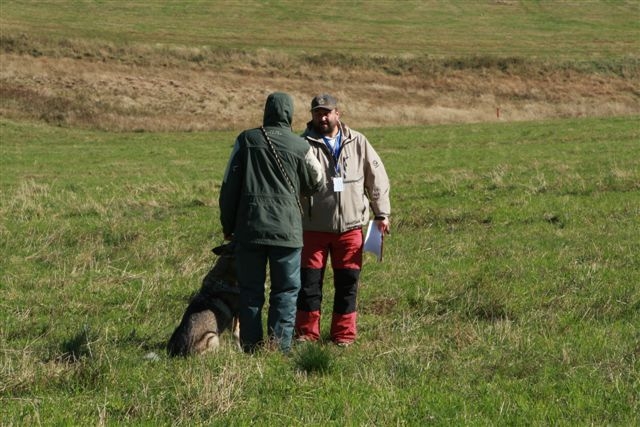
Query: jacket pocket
[[354, 203], [275, 219]]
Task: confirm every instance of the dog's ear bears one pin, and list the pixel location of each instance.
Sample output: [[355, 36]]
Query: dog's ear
[[224, 248]]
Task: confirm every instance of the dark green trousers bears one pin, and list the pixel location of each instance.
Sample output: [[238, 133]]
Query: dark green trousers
[[284, 272]]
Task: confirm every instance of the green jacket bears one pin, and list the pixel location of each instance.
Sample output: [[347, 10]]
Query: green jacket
[[257, 204]]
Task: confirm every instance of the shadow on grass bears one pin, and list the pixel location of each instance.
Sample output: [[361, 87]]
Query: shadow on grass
[[312, 358], [78, 346]]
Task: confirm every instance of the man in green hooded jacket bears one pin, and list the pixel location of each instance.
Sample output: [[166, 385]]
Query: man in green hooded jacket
[[269, 168]]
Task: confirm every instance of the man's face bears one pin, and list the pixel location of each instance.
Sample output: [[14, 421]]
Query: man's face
[[325, 122]]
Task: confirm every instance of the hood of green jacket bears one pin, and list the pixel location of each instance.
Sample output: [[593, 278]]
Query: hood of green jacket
[[278, 110]]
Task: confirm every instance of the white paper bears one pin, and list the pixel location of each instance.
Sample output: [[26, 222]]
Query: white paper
[[338, 184], [373, 240]]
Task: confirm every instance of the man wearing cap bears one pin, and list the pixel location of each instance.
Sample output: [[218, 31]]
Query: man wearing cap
[[333, 220]]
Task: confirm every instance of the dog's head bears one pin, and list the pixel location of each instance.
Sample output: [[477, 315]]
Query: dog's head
[[225, 248], [225, 266]]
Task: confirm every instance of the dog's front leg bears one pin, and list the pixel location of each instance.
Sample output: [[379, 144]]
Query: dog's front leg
[[236, 331]]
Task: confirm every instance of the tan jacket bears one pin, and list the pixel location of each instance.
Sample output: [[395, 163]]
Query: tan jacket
[[366, 184]]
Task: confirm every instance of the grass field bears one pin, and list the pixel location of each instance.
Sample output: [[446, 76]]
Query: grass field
[[509, 293], [510, 289], [548, 29]]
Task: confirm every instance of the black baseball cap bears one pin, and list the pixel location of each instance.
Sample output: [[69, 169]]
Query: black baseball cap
[[324, 101]]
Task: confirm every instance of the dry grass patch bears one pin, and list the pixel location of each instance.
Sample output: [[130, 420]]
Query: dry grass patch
[[118, 96]]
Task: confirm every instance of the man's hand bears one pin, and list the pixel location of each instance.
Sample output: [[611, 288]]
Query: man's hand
[[384, 225]]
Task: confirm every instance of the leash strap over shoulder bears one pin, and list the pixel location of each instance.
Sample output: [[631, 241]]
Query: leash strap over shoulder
[[284, 172]]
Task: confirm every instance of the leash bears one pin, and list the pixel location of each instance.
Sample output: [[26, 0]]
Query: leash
[[284, 172]]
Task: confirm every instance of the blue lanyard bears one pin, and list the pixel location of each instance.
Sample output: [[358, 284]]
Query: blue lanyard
[[335, 150]]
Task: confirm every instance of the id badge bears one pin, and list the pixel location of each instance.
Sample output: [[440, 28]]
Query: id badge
[[338, 184]]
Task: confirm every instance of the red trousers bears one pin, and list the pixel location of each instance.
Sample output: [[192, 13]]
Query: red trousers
[[345, 251]]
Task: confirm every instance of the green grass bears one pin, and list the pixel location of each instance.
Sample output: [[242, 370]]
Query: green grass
[[571, 30], [510, 290], [509, 294]]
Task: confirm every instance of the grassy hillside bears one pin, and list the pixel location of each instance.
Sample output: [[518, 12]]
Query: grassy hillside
[[509, 293], [549, 29], [175, 66]]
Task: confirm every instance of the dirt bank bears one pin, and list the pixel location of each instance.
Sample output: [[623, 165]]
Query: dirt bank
[[116, 96]]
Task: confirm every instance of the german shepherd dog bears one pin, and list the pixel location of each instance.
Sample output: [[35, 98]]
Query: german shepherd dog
[[211, 311]]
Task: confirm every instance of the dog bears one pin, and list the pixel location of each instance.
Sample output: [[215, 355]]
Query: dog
[[211, 311]]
